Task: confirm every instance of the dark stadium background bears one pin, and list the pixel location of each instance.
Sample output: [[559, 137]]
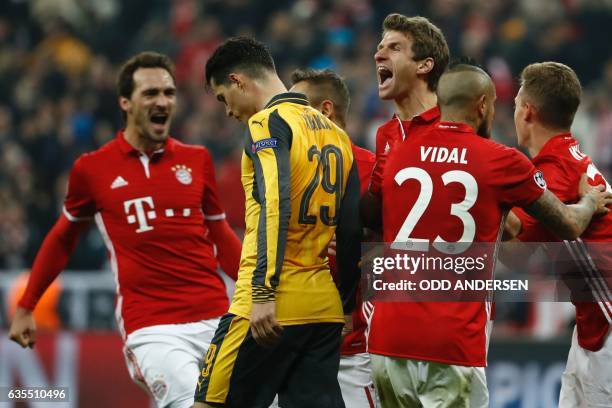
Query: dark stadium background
[[58, 61]]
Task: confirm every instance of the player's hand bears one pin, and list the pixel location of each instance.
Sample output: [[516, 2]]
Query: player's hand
[[331, 249], [265, 329], [23, 328], [348, 325], [600, 197]]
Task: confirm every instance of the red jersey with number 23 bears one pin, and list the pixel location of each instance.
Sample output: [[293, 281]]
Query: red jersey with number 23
[[450, 184], [151, 211]]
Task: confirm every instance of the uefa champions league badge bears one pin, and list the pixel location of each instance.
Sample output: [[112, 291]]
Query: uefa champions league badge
[[182, 173], [538, 177]]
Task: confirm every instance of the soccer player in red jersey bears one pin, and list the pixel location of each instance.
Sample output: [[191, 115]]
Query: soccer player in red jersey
[[545, 107], [410, 59], [154, 200], [328, 93], [434, 353]]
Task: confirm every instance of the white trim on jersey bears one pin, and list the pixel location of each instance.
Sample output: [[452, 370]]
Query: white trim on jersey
[[72, 218], [592, 276], [401, 127], [214, 217], [144, 159], [115, 269], [367, 309]]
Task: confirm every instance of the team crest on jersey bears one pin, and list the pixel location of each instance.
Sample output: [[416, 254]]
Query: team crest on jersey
[[182, 173], [538, 177]]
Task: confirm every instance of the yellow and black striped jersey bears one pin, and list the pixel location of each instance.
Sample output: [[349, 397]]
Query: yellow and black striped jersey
[[301, 186]]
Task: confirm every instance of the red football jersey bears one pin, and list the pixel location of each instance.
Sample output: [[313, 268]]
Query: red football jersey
[[446, 184], [355, 342], [563, 164], [396, 130], [150, 210]]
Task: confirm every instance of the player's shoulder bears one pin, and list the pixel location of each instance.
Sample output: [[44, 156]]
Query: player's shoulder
[[363, 155], [389, 126], [104, 155], [563, 151], [190, 151], [179, 146]]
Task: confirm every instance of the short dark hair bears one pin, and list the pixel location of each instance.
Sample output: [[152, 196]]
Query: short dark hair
[[242, 54], [148, 59], [332, 87], [427, 42], [555, 91]]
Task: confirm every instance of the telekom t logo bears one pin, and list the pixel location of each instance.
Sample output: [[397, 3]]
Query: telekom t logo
[[142, 214]]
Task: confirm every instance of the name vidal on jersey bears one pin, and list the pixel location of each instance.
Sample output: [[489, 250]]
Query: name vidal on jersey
[[437, 154]]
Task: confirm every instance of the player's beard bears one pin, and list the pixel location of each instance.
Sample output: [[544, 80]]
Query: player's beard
[[486, 127]]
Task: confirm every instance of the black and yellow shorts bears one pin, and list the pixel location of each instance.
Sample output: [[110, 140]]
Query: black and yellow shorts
[[302, 368]]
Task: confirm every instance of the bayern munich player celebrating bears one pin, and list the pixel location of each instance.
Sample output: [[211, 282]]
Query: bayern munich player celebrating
[[154, 200], [433, 354], [545, 108], [327, 92], [410, 59]]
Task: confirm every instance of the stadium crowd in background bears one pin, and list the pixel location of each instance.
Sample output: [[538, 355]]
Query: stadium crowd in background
[[58, 67]]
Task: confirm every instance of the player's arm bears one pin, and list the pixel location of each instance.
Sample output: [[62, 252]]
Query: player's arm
[[270, 156], [225, 239], [512, 226], [348, 242], [228, 246], [51, 259], [53, 255], [570, 221], [370, 207], [370, 210]]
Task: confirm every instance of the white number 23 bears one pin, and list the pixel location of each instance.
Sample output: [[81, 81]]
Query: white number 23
[[403, 240]]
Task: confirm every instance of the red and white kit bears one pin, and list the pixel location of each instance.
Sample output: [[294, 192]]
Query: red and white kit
[[394, 132], [563, 164], [152, 211], [446, 184]]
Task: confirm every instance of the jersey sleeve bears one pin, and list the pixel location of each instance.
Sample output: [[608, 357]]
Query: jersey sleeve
[[79, 204], [517, 181], [560, 184], [270, 147], [379, 164], [211, 205], [365, 161], [348, 242]]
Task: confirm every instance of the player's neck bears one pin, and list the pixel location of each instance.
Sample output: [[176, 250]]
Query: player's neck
[[415, 102], [540, 136], [139, 142], [459, 117], [268, 88]]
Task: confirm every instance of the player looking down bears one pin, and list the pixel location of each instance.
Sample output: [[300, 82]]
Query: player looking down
[[282, 334]]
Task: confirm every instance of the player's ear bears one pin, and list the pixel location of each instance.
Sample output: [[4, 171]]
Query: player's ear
[[236, 79], [425, 66], [530, 112], [482, 106], [327, 108], [124, 103]]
